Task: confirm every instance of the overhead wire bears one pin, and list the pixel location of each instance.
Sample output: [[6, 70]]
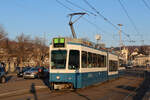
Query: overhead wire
[[93, 24], [75, 5], [130, 19], [64, 5], [146, 4], [94, 15], [102, 16], [96, 26], [149, 1]]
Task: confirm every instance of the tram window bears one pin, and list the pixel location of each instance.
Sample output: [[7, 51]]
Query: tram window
[[84, 59], [99, 60], [94, 60], [90, 63], [113, 65], [121, 63], [97, 64], [74, 59], [103, 61], [58, 59]]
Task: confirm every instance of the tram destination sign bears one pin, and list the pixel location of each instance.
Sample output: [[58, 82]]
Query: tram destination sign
[[58, 42]]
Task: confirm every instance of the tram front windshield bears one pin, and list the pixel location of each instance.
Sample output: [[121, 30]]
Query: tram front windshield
[[58, 59]]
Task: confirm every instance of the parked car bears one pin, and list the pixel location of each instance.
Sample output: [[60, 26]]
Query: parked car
[[31, 73], [129, 66], [2, 75], [20, 72]]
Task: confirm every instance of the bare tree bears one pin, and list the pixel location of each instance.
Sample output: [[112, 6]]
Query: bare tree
[[3, 33], [3, 44], [40, 50], [23, 47]]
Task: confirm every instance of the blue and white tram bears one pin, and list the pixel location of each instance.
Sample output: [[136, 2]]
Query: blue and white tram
[[121, 68], [112, 66], [76, 64]]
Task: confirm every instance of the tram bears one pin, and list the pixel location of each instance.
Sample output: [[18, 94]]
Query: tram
[[75, 63], [122, 65], [112, 66]]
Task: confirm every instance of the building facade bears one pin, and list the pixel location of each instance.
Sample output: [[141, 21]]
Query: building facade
[[141, 60]]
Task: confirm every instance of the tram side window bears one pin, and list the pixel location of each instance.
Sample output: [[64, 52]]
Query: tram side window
[[84, 59], [103, 61], [74, 59], [121, 63], [113, 65], [99, 60], [90, 61], [94, 60]]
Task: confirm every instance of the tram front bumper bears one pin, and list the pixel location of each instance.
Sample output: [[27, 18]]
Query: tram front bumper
[[66, 78], [62, 78]]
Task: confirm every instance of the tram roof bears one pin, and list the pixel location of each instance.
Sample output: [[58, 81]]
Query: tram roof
[[86, 43]]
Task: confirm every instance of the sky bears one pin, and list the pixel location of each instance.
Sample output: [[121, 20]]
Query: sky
[[49, 19]]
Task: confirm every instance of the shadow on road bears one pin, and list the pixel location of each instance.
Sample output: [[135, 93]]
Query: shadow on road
[[129, 88], [33, 91], [46, 81], [134, 73], [81, 95], [144, 87], [8, 78]]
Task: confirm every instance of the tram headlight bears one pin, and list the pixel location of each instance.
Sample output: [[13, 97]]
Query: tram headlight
[[58, 77]]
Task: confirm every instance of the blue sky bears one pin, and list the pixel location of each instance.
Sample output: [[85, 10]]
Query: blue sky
[[36, 17]]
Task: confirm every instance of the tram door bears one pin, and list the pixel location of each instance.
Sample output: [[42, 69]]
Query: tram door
[[74, 64]]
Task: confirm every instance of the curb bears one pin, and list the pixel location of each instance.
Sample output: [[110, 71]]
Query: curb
[[19, 92]]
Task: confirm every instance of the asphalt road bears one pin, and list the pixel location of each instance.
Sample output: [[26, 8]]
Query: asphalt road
[[124, 88]]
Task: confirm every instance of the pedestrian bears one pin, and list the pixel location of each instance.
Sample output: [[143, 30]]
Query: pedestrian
[[42, 72]]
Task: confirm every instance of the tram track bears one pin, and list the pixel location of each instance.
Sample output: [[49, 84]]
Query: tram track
[[107, 88], [127, 85], [110, 90], [131, 79]]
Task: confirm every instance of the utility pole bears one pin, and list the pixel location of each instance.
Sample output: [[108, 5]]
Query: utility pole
[[121, 44], [71, 23]]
